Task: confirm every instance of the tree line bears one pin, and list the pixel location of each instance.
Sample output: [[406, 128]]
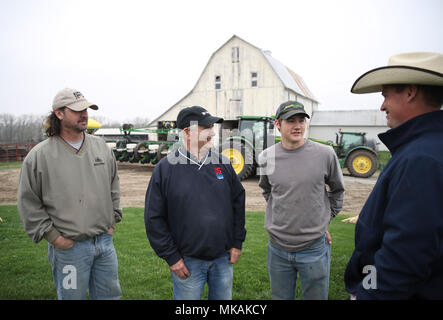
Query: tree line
[[30, 128]]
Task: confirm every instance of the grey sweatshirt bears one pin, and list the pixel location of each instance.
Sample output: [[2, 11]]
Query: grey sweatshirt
[[299, 207], [67, 192]]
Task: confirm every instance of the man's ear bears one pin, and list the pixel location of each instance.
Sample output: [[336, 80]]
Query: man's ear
[[186, 132], [59, 114], [277, 124], [412, 91]]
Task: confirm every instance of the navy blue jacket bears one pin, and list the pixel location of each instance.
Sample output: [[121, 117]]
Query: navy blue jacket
[[400, 228], [194, 210]]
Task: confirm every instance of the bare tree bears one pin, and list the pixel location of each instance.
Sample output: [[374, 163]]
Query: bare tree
[[30, 128], [139, 122], [105, 122], [25, 128]]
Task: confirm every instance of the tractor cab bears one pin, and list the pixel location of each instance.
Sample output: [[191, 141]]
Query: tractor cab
[[259, 130], [242, 140], [345, 141]]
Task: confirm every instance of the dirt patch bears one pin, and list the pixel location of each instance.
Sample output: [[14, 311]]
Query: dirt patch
[[8, 186], [134, 180]]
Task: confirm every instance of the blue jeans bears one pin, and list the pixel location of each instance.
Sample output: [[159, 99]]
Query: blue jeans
[[90, 264], [218, 273], [312, 264]]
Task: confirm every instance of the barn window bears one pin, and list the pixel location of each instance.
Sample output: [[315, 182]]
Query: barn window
[[254, 79], [217, 82], [235, 54]]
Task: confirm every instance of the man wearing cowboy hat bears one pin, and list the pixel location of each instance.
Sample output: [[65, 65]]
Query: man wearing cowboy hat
[[399, 234]]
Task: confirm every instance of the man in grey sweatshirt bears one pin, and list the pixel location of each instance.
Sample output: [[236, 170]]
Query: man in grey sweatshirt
[[293, 175], [69, 194]]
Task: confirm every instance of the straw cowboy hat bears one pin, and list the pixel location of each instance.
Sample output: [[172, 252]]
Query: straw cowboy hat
[[425, 68]]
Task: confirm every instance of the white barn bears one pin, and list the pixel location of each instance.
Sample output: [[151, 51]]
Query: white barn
[[242, 79], [324, 124]]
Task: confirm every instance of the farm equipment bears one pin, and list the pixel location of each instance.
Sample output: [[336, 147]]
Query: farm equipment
[[131, 149], [249, 135], [93, 125], [241, 141], [246, 138], [355, 152]]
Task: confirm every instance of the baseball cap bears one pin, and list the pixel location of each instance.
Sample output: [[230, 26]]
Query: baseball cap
[[73, 99], [196, 113], [290, 108]]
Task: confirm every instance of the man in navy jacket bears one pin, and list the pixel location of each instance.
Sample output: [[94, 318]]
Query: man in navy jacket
[[195, 212], [399, 234]]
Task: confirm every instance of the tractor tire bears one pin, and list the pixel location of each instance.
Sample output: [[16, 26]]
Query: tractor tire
[[162, 151], [140, 156], [362, 163], [241, 157]]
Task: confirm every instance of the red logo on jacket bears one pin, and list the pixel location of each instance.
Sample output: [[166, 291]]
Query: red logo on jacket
[[218, 173]]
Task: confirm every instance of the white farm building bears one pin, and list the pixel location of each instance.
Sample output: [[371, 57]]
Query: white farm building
[[242, 79]]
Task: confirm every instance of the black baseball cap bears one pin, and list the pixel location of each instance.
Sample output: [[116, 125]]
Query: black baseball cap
[[196, 113], [290, 108]]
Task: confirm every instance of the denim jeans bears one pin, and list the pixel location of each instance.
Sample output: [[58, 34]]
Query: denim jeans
[[312, 264], [218, 273], [90, 264]]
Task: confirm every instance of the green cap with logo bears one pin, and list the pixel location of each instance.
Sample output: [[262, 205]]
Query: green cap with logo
[[289, 109]]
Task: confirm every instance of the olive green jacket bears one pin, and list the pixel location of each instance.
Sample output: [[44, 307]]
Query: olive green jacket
[[69, 192]]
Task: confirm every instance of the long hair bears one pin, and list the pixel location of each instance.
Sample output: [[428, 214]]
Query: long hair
[[53, 124]]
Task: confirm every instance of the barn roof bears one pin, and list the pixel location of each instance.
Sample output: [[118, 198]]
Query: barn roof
[[289, 78]]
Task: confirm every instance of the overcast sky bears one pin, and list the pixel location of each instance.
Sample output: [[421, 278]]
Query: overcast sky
[[138, 58]]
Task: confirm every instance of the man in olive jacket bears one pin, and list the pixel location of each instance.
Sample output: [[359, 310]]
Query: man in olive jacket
[[69, 194]]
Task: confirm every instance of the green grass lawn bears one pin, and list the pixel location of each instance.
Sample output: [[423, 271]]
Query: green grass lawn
[[25, 270], [10, 165]]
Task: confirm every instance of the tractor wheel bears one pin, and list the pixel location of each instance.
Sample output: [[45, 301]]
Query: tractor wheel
[[362, 163], [241, 157], [140, 156], [162, 151], [124, 157]]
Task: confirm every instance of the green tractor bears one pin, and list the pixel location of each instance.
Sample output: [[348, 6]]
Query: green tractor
[[246, 138], [355, 152], [243, 139]]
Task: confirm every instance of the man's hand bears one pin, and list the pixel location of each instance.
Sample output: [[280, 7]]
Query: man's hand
[[234, 255], [111, 230], [180, 269], [63, 243], [328, 237]]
